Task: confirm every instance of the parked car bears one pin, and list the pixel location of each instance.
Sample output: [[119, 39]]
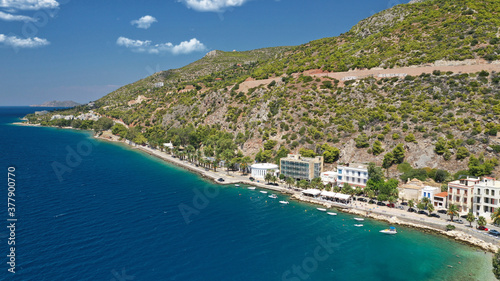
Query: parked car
[[494, 232], [371, 202], [463, 216], [380, 203], [442, 211], [390, 205], [362, 199], [220, 179], [459, 221], [251, 178], [421, 212], [434, 215], [401, 207], [404, 203], [482, 228], [411, 210]]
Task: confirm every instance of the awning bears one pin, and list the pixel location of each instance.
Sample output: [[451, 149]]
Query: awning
[[313, 192], [335, 195]]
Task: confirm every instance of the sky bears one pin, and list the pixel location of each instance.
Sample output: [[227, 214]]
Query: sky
[[82, 50]]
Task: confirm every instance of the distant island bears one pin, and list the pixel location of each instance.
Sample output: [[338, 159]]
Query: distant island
[[56, 103]]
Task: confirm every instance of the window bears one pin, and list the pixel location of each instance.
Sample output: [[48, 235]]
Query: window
[[359, 174], [458, 191], [486, 200], [364, 181], [340, 171], [449, 197], [492, 193], [487, 192], [340, 178], [478, 191]]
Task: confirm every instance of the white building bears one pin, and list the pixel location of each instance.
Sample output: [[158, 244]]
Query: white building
[[429, 192], [460, 193], [260, 170], [329, 177], [486, 197], [158, 84], [353, 174]]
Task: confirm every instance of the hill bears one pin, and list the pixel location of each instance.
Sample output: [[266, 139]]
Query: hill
[[56, 104], [271, 101]]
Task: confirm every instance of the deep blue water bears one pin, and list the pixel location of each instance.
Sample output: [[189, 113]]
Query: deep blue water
[[108, 212]]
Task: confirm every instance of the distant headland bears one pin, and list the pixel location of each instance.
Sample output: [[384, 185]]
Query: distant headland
[[56, 103]]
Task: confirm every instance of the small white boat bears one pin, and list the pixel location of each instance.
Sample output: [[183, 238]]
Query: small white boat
[[390, 230], [359, 219], [262, 191], [284, 202], [321, 209], [237, 185], [332, 214], [274, 196], [251, 187], [358, 225]]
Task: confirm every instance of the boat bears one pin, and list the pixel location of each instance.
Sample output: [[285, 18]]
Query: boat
[[237, 185], [251, 187], [274, 196], [390, 230], [332, 214], [359, 219], [321, 209], [284, 202], [262, 191], [358, 225]]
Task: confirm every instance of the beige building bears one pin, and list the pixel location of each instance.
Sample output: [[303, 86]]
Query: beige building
[[411, 190], [460, 193], [298, 167], [486, 197]]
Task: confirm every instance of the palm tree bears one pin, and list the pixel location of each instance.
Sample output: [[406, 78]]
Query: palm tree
[[481, 221], [215, 163], [420, 206], [274, 178], [470, 218], [370, 194], [452, 211], [392, 200], [289, 181], [430, 208], [303, 184], [268, 177], [495, 216], [411, 204]]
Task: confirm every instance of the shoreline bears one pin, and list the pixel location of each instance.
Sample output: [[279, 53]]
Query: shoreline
[[467, 236]]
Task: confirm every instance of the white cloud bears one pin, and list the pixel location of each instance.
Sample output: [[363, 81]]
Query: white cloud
[[28, 4], [144, 22], [140, 46], [11, 17], [212, 5], [16, 42]]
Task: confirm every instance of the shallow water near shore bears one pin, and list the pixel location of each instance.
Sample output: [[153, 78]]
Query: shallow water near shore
[[117, 215]]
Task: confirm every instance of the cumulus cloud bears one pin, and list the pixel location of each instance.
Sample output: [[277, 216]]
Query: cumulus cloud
[[140, 46], [11, 17], [144, 22], [212, 5], [16, 42], [28, 4]]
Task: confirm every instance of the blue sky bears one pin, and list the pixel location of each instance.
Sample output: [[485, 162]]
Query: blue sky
[[81, 50]]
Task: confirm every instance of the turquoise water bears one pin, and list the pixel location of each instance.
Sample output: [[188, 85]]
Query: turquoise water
[[92, 210]]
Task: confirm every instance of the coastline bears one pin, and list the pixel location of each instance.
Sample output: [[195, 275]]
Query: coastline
[[467, 236]]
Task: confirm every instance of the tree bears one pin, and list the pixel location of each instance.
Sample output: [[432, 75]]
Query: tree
[[119, 130], [289, 181], [388, 160], [462, 153], [268, 177], [347, 188], [441, 146], [370, 194], [307, 152], [496, 264], [398, 154], [103, 124], [452, 211], [430, 207], [270, 144], [470, 218], [303, 184], [481, 221], [410, 138], [420, 206], [227, 156], [495, 216], [362, 141], [411, 204], [375, 173], [330, 154], [377, 148]]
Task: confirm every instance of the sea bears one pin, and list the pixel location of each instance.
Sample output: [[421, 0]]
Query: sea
[[87, 209]]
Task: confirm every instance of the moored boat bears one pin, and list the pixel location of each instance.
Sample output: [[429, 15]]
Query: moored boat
[[321, 209], [274, 196], [358, 225], [263, 191], [390, 230], [332, 214], [237, 185], [251, 187], [284, 202], [359, 219]]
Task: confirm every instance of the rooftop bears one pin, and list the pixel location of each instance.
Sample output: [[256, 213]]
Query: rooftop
[[441, 194]]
